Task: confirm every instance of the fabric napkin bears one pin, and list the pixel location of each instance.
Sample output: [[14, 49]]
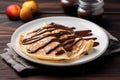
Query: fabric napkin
[[19, 64]]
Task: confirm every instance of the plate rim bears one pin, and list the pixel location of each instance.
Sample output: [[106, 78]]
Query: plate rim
[[56, 64]]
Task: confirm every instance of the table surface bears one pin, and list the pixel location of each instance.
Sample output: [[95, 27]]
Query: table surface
[[105, 68]]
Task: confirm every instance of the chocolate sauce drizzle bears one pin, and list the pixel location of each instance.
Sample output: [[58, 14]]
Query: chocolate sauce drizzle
[[68, 47], [66, 42], [43, 45]]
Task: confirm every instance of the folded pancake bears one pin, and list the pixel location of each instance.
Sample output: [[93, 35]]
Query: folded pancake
[[53, 42], [46, 48]]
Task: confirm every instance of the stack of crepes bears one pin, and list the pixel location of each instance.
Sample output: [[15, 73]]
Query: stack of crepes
[[54, 42]]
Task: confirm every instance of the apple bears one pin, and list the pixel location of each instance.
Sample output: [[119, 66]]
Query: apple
[[13, 11]]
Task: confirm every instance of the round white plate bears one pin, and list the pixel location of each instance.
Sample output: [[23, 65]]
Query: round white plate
[[79, 23]]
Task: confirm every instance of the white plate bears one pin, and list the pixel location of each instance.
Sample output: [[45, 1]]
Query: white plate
[[79, 23]]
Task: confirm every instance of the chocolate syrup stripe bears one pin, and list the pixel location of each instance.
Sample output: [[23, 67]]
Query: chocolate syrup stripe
[[43, 31], [96, 44], [68, 42], [58, 26], [69, 46], [93, 38], [52, 48], [67, 38], [60, 52], [42, 46], [83, 33], [62, 33]]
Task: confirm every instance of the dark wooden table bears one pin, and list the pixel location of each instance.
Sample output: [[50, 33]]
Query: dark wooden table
[[103, 68]]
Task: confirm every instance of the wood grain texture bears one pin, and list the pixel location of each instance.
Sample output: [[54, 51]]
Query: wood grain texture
[[103, 68]]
